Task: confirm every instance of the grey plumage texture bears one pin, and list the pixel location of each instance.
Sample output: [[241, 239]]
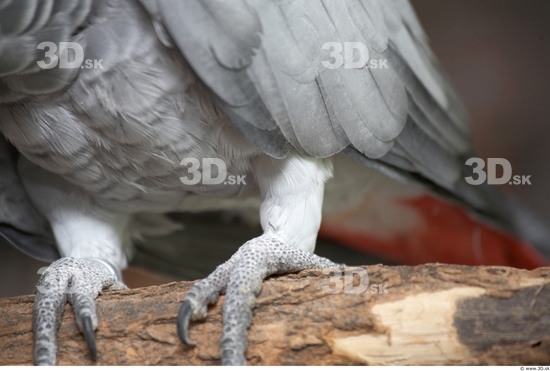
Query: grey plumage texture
[[25, 24], [242, 81], [263, 62], [20, 223], [272, 78]]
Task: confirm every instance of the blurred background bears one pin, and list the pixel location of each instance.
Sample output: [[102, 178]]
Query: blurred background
[[497, 55]]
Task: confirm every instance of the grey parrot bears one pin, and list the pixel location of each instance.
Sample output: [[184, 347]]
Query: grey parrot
[[276, 91]]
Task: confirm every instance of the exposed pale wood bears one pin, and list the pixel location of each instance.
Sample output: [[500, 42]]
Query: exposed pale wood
[[431, 314]]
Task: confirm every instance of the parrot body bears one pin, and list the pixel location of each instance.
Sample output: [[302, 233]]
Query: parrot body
[[153, 113], [243, 82]]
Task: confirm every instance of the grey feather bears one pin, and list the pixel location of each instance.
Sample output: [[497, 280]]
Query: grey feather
[[20, 222], [408, 116], [262, 63], [281, 72]]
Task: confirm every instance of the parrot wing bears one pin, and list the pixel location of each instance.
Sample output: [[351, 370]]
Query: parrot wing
[[270, 77], [264, 63]]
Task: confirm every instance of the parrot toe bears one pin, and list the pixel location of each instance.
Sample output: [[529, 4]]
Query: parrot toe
[[78, 281], [241, 278]]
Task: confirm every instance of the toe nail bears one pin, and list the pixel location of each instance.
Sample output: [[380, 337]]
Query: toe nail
[[184, 316], [88, 330]]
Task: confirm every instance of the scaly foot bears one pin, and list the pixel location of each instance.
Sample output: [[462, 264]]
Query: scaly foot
[[241, 278], [78, 281]]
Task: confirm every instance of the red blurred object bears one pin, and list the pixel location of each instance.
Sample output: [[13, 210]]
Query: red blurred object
[[443, 233]]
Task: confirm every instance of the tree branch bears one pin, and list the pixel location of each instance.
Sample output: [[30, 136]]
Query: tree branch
[[430, 315]]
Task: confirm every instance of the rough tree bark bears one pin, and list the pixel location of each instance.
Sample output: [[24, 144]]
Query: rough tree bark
[[430, 315]]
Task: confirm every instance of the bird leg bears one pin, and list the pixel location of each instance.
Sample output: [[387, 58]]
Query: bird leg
[[292, 194]]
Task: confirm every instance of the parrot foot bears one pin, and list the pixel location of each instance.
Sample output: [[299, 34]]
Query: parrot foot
[[78, 281], [241, 279]]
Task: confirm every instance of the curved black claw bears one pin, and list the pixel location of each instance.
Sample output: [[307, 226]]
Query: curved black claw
[[88, 330], [184, 317]]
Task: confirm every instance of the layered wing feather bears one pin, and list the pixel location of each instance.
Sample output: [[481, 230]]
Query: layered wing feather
[[263, 61]]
